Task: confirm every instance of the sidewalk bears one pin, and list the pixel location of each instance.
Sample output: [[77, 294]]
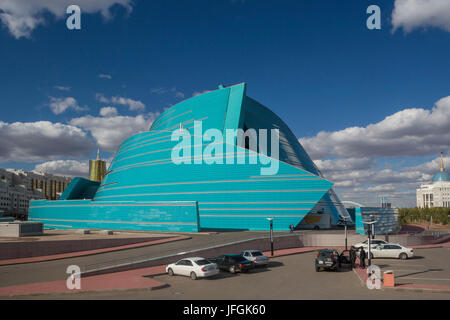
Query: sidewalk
[[362, 274]]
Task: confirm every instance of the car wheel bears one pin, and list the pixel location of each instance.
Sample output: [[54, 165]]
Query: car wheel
[[232, 269], [316, 227], [371, 256], [170, 272], [193, 276], [317, 269], [403, 256]]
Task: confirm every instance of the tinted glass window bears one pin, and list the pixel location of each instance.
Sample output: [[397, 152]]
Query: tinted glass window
[[202, 262], [395, 247], [257, 253], [188, 263], [181, 263], [325, 254], [238, 258]]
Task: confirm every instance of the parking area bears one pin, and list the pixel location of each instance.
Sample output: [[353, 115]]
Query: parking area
[[289, 277], [428, 266]]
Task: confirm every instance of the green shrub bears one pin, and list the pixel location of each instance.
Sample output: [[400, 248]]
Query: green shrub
[[418, 215]]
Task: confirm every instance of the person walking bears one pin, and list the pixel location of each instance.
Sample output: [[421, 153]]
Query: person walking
[[352, 256], [362, 258]]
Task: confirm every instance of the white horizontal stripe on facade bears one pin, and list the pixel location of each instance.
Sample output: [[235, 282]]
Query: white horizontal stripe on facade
[[202, 182], [149, 134], [58, 225], [210, 192], [286, 175], [166, 161], [258, 202], [252, 216], [104, 221], [138, 145], [169, 149], [162, 116], [179, 115], [254, 209], [92, 204]]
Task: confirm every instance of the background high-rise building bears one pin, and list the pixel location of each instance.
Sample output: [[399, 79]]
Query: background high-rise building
[[97, 168], [18, 187], [437, 192]]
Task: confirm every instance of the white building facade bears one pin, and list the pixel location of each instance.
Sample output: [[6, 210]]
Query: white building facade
[[435, 194], [18, 187]]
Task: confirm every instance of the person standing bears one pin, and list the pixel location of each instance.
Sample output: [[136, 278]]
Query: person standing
[[362, 258], [352, 256]]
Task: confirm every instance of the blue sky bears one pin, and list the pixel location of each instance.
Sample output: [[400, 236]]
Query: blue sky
[[314, 63]]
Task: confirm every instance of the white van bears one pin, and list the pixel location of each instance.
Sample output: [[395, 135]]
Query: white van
[[315, 221]]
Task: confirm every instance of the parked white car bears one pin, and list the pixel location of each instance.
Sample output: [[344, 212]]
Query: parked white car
[[195, 267], [390, 250], [258, 258], [373, 244]]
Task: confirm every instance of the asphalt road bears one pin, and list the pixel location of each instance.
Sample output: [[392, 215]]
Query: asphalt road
[[290, 277], [56, 269], [429, 266]]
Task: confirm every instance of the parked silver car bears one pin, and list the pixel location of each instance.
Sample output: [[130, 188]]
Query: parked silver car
[[256, 256]]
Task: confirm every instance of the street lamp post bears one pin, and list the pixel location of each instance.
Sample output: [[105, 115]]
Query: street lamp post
[[369, 229], [345, 228], [271, 235]]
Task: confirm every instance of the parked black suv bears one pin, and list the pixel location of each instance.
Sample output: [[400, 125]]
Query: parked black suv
[[233, 263], [327, 259]]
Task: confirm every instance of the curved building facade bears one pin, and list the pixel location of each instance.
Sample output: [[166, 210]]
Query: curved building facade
[[216, 185]]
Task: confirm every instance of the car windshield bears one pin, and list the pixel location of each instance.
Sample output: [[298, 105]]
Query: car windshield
[[202, 262], [257, 253], [325, 253]]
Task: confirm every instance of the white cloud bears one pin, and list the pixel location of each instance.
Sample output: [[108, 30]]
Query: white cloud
[[62, 88], [110, 133], [41, 141], [108, 112], [161, 90], [366, 163], [412, 14], [105, 76], [59, 105], [410, 132], [21, 17], [130, 103], [431, 167], [68, 168], [158, 90]]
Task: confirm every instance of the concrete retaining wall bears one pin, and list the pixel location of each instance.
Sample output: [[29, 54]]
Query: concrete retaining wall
[[323, 239]]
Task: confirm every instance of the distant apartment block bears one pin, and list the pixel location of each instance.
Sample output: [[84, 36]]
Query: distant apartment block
[[18, 187]]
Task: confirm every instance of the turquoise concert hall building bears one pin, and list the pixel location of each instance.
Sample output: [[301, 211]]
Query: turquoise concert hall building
[[145, 189]]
